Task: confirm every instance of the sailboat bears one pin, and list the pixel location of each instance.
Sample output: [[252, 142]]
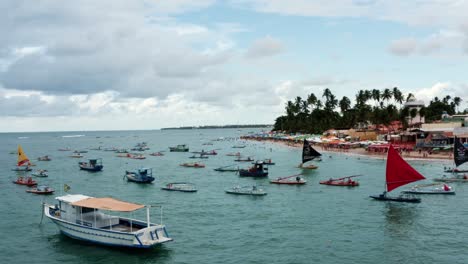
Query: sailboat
[[460, 156], [398, 173], [23, 162], [308, 154]]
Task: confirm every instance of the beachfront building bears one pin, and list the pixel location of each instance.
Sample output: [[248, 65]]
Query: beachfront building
[[461, 133], [414, 105]]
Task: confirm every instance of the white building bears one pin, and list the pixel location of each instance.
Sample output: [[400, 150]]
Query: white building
[[412, 103]]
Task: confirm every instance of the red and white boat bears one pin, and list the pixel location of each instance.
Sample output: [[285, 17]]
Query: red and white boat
[[291, 180], [25, 181], [344, 181]]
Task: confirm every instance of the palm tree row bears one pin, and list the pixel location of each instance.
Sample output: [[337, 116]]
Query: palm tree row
[[315, 115]]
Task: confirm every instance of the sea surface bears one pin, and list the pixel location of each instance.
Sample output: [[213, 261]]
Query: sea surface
[[292, 224]]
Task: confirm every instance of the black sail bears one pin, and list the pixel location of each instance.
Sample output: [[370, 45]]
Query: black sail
[[308, 152], [460, 153]]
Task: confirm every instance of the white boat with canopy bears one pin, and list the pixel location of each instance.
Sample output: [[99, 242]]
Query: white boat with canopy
[[83, 217]]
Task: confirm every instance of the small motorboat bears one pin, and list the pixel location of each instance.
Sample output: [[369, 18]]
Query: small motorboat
[[42, 189], [91, 165], [142, 175], [236, 154], [76, 155], [28, 181], [135, 156], [244, 159], [199, 156], [238, 146], [257, 170], [246, 190], [180, 187], [344, 181], [64, 149], [227, 168], [193, 165], [121, 151], [268, 162], [40, 173], [211, 152], [80, 151], [431, 189], [179, 148], [157, 154], [291, 180], [44, 158]]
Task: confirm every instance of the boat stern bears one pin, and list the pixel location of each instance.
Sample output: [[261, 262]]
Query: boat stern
[[151, 236]]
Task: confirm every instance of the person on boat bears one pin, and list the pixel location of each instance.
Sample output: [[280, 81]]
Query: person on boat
[[298, 179]]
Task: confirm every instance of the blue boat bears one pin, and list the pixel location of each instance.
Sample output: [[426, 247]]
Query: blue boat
[[91, 165], [143, 175], [259, 169]]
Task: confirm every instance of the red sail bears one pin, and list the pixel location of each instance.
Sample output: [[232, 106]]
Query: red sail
[[399, 172]]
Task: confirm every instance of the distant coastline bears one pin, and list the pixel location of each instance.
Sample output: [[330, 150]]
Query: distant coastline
[[218, 127]]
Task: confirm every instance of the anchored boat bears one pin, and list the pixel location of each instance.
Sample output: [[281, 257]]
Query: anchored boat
[[432, 188], [179, 148], [84, 218], [44, 158], [344, 181], [41, 190], [246, 190], [290, 180], [28, 181], [143, 175], [40, 173], [257, 170], [180, 187], [193, 165], [227, 168], [91, 165], [398, 173]]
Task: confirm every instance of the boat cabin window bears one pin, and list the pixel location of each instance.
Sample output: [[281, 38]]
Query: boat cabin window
[[85, 210]]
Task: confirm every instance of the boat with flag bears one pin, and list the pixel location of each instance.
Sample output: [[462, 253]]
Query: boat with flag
[[398, 173], [91, 165], [23, 163], [86, 218], [343, 181], [308, 154], [460, 156], [432, 188], [290, 180]]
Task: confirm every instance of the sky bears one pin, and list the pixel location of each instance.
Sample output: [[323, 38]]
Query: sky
[[123, 65]]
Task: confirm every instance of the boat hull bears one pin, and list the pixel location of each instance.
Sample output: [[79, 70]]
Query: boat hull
[[289, 182], [430, 192], [40, 192], [130, 178], [246, 173], [395, 199], [177, 190], [246, 193], [96, 168], [345, 184], [145, 238]]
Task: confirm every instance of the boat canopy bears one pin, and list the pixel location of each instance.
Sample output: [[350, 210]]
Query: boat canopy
[[109, 204]]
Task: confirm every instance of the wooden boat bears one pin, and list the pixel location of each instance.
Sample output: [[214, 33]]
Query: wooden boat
[[143, 175], [85, 218], [344, 181], [237, 154], [398, 173], [238, 146], [290, 180], [308, 154], [244, 159], [199, 156], [44, 158], [132, 156], [91, 165], [227, 168], [257, 170], [456, 178], [42, 189], [246, 190], [179, 148], [40, 173], [28, 181], [180, 187], [157, 154], [23, 163], [431, 189], [193, 165]]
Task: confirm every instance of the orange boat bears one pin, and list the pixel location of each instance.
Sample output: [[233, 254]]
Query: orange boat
[[193, 165], [345, 181], [25, 181]]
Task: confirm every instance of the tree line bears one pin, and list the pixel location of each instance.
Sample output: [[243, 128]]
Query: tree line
[[318, 114]]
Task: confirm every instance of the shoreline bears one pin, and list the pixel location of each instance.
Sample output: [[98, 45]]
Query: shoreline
[[360, 151]]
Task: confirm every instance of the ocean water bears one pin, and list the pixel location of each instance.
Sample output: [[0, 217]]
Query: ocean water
[[292, 224]]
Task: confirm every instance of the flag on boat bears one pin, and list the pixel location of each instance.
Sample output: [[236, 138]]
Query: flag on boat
[[460, 153], [308, 152], [66, 187]]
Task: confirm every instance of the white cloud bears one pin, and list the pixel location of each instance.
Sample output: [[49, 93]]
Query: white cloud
[[264, 47], [403, 47]]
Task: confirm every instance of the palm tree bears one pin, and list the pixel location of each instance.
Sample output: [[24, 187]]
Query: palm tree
[[376, 95], [413, 113], [345, 104], [457, 100], [397, 95], [422, 113], [386, 95], [409, 96], [312, 99]]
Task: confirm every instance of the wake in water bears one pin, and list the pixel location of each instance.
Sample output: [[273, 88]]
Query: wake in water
[[72, 136]]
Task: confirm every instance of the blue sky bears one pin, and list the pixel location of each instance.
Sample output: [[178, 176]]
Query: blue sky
[[150, 64]]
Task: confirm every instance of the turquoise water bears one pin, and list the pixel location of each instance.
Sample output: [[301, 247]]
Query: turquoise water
[[292, 224]]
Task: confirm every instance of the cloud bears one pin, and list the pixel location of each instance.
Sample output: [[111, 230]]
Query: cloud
[[264, 47], [403, 47]]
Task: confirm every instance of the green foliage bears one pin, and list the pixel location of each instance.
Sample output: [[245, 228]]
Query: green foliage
[[313, 115]]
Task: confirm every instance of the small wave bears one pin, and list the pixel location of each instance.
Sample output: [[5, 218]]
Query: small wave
[[23, 137], [72, 136]]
